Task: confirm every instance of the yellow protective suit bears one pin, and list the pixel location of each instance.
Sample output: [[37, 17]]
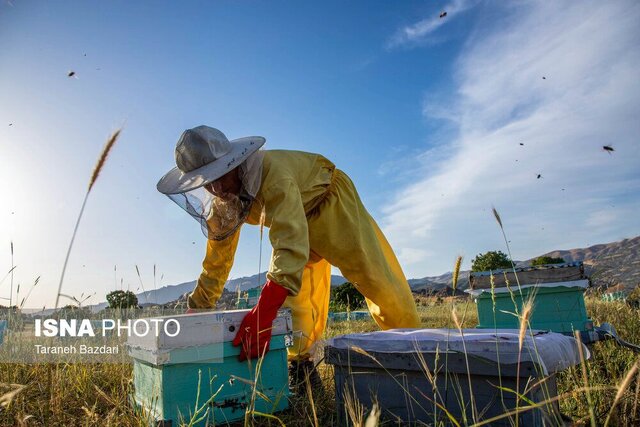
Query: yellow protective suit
[[315, 220]]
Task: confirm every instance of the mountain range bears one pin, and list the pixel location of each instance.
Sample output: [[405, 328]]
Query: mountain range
[[608, 265]]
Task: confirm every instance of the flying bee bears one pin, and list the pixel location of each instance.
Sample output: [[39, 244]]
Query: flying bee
[[608, 148]]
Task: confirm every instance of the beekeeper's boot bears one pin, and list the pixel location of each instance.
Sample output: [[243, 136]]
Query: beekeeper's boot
[[302, 372]]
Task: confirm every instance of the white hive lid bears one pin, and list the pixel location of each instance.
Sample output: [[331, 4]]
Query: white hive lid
[[553, 351], [200, 329]]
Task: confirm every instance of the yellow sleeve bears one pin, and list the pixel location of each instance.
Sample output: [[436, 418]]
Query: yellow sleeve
[[288, 233], [215, 271]]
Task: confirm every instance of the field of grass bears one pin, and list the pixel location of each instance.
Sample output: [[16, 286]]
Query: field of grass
[[97, 394]]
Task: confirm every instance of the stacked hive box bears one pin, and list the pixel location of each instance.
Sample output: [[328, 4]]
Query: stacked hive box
[[198, 369], [556, 290], [249, 298]]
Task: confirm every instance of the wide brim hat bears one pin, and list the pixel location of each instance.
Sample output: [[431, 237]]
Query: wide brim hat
[[204, 154]]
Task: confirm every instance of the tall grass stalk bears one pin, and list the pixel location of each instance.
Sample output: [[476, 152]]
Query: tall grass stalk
[[155, 288], [352, 407], [432, 378], [251, 412], [624, 384], [7, 275], [393, 377], [307, 381], [637, 395], [146, 297], [495, 324], [459, 324], [523, 313], [583, 367], [94, 177], [527, 309], [454, 285], [24, 300], [506, 242], [557, 398], [201, 412], [456, 275], [13, 267]]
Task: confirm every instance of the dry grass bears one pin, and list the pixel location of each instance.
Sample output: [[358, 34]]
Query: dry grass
[[81, 395]]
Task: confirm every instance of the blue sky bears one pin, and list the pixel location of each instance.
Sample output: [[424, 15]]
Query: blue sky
[[425, 114]]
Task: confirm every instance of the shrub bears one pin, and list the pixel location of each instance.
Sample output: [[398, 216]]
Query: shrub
[[492, 260], [347, 296], [122, 299], [542, 260]]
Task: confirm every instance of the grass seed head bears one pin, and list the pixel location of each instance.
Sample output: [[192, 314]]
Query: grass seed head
[[527, 308], [103, 157], [456, 319], [497, 215], [456, 273]]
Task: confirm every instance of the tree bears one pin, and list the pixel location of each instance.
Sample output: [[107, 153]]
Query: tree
[[122, 299], [492, 260], [542, 260], [346, 295]]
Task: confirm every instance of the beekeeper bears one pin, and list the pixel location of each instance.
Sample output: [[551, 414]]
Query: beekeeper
[[315, 219]]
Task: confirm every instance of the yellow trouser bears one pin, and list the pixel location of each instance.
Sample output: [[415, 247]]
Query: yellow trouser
[[343, 234]]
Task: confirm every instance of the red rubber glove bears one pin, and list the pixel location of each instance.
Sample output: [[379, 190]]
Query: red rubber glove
[[255, 329]]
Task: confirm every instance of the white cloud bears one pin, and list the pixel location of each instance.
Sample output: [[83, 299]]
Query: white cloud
[[602, 218], [589, 97], [419, 32]]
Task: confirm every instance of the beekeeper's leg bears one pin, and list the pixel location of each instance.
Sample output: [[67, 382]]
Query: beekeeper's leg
[[379, 277], [309, 308], [346, 235]]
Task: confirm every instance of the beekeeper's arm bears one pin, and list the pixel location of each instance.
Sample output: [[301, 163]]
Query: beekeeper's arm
[[215, 271], [288, 233], [289, 236]]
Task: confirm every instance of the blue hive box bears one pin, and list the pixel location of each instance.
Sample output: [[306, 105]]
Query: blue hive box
[[3, 326], [197, 375], [414, 375], [341, 316]]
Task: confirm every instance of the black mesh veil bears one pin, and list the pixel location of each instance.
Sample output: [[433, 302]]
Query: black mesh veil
[[218, 218]]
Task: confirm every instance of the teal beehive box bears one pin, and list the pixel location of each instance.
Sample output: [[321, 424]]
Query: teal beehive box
[[556, 290], [342, 316], [196, 375], [557, 307], [3, 326], [249, 298]]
